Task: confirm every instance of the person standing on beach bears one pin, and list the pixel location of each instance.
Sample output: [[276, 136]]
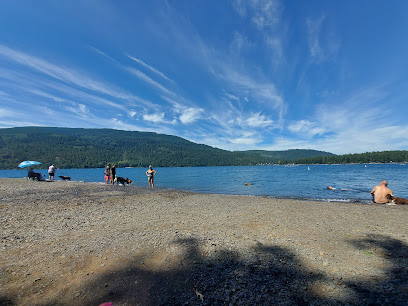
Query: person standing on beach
[[51, 172], [113, 174], [108, 175], [150, 176], [381, 193]]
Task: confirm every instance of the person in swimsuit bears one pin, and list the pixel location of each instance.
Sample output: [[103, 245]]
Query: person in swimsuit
[[108, 175], [381, 193], [150, 176]]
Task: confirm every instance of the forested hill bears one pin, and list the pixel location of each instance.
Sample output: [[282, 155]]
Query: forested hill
[[93, 148]]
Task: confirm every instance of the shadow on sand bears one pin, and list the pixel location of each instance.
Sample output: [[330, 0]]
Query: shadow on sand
[[269, 275]]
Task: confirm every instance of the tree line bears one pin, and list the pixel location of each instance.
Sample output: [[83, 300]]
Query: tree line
[[361, 158], [94, 148]]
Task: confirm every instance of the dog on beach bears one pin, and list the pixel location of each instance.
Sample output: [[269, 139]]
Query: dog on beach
[[396, 200], [64, 178], [34, 175], [122, 180]]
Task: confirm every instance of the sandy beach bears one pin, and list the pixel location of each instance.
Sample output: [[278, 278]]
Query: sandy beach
[[72, 243]]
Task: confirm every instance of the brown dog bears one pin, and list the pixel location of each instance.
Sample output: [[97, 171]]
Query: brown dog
[[396, 200], [401, 201]]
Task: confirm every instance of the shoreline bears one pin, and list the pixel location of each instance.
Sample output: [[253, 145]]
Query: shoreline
[[326, 200], [83, 243]]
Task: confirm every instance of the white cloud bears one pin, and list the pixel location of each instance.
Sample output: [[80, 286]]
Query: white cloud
[[243, 141], [191, 115], [306, 127], [78, 109], [157, 118], [154, 117], [258, 120]]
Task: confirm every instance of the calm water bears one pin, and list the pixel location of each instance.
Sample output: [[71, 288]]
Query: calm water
[[353, 182]]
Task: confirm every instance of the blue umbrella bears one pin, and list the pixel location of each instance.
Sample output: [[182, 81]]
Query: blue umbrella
[[28, 163]]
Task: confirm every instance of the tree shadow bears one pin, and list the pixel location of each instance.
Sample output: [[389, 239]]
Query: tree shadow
[[267, 275], [270, 275], [392, 286]]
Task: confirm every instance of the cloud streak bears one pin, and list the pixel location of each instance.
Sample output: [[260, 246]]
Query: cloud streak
[[139, 61]]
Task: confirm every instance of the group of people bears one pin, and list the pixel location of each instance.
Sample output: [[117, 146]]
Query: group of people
[[37, 176], [110, 175], [381, 193]]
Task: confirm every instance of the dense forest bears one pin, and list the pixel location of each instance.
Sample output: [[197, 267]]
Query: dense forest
[[94, 148], [370, 157]]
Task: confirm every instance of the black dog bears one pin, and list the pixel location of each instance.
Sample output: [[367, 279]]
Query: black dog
[[122, 180], [34, 175], [63, 177]]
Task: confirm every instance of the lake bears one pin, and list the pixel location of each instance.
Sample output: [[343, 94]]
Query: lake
[[353, 183]]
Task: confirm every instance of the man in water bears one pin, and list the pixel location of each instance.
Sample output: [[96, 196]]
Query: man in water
[[381, 193]]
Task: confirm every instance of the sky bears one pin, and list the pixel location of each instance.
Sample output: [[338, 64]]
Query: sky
[[232, 74]]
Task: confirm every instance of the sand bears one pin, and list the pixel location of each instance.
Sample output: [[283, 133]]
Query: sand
[[72, 243]]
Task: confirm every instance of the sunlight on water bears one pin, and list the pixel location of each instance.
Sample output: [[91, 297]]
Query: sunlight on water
[[352, 182]]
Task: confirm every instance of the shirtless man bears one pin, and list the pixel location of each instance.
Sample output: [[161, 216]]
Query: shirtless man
[[380, 193]]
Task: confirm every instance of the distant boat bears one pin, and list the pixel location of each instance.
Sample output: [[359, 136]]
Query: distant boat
[[308, 168], [365, 166]]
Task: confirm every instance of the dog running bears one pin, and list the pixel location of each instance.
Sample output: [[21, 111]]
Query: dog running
[[122, 180], [64, 178]]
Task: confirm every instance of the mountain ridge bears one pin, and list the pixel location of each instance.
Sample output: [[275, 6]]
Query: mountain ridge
[[94, 148]]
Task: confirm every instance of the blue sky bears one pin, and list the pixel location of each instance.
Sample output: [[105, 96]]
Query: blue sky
[[237, 75]]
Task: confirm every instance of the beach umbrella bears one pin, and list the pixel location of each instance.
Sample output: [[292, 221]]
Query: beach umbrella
[[28, 163]]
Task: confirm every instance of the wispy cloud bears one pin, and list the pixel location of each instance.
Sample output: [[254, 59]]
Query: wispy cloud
[[78, 109], [306, 128], [323, 43], [63, 74], [103, 54], [139, 61], [148, 80], [5, 112]]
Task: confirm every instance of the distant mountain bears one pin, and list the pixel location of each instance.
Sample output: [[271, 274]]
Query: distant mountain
[[94, 148], [292, 154]]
